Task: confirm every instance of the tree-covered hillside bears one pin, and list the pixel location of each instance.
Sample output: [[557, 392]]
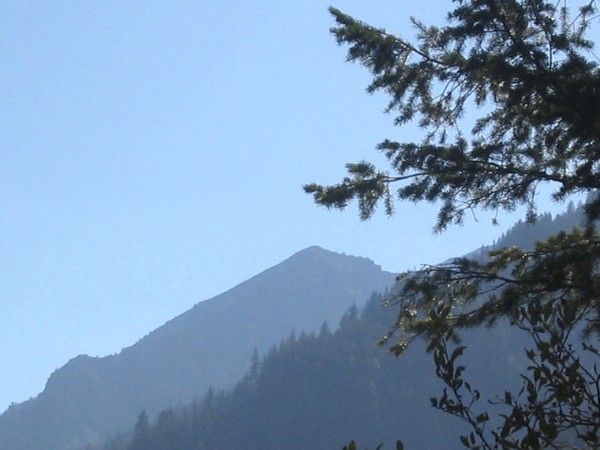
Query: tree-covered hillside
[[311, 391], [319, 390]]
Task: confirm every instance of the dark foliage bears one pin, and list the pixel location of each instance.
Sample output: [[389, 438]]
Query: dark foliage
[[527, 68]]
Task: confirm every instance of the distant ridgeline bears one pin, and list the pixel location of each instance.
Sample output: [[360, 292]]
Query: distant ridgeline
[[91, 399], [524, 234], [319, 390]]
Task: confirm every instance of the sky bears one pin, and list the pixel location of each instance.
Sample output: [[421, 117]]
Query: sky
[[152, 155]]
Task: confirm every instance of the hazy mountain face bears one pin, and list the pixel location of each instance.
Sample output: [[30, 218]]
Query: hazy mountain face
[[319, 391], [210, 345]]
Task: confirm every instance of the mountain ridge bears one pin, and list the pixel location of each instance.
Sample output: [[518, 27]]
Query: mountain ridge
[[90, 397], [321, 390]]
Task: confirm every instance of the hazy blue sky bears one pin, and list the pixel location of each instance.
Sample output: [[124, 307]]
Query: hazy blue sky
[[153, 154]]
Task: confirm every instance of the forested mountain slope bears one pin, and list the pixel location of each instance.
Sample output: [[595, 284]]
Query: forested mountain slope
[[210, 345], [319, 391]]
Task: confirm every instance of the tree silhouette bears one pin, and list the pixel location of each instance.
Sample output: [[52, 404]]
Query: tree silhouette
[[527, 67]]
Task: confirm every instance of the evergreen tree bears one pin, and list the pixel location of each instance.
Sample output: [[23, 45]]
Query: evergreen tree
[[141, 435], [527, 66]]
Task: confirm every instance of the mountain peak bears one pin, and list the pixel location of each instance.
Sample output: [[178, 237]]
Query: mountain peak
[[318, 254], [209, 345], [311, 249]]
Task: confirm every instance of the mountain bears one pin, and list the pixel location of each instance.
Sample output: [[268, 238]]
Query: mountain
[[319, 391], [210, 345]]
